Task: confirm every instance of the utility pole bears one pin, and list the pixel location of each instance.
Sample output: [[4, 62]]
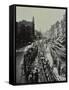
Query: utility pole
[[33, 27]]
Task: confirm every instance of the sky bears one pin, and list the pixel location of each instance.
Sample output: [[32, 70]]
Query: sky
[[43, 17]]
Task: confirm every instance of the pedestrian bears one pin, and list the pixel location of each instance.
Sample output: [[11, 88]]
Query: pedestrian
[[36, 76], [30, 77]]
